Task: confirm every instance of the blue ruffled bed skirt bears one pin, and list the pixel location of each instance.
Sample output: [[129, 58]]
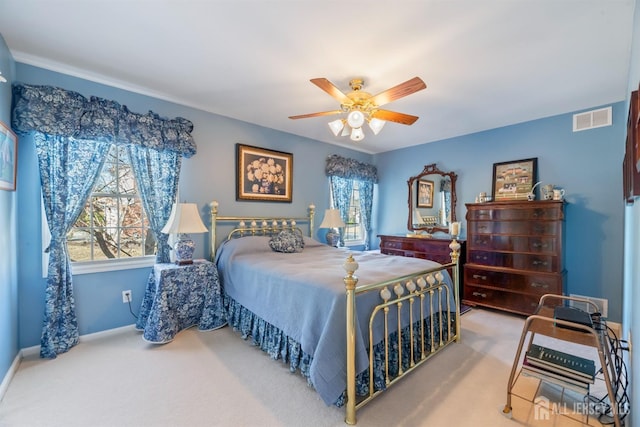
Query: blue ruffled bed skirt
[[277, 345]]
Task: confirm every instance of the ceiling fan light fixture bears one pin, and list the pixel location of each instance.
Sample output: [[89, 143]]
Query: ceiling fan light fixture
[[360, 106], [336, 126], [355, 119], [376, 125], [357, 134]]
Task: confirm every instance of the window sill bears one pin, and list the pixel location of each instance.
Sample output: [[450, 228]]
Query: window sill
[[112, 265]]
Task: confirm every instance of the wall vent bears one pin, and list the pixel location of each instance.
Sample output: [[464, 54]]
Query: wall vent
[[592, 119], [602, 304]]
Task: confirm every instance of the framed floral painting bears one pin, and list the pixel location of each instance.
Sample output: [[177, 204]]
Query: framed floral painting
[[8, 158], [263, 175]]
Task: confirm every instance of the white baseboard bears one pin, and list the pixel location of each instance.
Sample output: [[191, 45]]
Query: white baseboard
[[9, 376], [35, 350]]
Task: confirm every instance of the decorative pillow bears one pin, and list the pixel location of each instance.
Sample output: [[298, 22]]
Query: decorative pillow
[[287, 241]]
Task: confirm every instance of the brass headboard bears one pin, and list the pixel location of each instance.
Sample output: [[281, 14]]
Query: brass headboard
[[256, 225]]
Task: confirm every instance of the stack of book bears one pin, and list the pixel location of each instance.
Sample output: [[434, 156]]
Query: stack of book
[[560, 368]]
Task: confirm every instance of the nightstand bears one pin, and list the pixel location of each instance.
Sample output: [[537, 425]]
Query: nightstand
[[179, 297]]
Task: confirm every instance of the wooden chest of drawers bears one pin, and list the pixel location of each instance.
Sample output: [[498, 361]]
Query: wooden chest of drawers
[[514, 254]]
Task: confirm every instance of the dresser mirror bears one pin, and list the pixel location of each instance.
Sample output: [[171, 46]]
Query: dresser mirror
[[432, 200]]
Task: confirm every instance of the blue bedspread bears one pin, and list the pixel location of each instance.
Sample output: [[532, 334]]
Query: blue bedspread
[[303, 295]]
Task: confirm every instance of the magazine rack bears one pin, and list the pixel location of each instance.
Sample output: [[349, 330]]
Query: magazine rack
[[543, 322]]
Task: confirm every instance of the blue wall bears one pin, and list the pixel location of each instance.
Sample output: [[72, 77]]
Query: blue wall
[[8, 217], [207, 176], [587, 164]]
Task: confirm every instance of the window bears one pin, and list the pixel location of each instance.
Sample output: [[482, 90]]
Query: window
[[354, 230], [113, 224]]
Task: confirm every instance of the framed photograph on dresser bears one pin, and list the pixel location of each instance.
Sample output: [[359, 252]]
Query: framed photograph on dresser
[[514, 180], [424, 197]]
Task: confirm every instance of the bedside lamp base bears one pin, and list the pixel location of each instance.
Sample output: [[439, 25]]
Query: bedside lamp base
[[333, 238]]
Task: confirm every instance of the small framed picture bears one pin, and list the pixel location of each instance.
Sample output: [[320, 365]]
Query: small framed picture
[[8, 158], [425, 194], [514, 180], [263, 175]]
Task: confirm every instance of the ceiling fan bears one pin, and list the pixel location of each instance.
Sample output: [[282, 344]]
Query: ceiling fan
[[362, 107]]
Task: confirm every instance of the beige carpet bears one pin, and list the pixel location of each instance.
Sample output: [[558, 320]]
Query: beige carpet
[[217, 379]]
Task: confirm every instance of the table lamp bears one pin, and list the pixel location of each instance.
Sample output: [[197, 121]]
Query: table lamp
[[184, 219], [332, 220]]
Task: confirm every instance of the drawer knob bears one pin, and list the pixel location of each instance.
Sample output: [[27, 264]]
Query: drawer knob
[[539, 245], [479, 294], [478, 276], [539, 285], [539, 262]]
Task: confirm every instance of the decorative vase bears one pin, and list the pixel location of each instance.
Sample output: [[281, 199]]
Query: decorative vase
[[333, 238], [184, 249]]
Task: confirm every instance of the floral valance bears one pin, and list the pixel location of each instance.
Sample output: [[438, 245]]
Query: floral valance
[[55, 111], [350, 169]]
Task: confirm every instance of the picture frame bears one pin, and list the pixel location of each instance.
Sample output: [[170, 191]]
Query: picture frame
[[8, 158], [263, 174], [631, 160], [514, 180], [424, 196]]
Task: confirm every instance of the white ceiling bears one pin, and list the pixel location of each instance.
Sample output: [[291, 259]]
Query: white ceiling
[[486, 63]]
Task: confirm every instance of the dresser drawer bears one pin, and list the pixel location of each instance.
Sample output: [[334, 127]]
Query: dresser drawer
[[528, 228], [535, 284], [536, 244], [504, 300], [519, 261], [496, 213]]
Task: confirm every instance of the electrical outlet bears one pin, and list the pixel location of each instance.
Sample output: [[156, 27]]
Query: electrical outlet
[[126, 296]]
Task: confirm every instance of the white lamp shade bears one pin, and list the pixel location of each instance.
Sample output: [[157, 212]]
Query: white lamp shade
[[355, 119], [331, 219], [376, 125], [184, 219], [336, 126], [357, 134]]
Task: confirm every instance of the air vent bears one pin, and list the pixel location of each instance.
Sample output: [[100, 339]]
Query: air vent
[[592, 119]]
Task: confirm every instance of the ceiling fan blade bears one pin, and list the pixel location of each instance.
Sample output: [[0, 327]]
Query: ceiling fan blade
[[331, 89], [392, 116], [397, 92], [323, 113]]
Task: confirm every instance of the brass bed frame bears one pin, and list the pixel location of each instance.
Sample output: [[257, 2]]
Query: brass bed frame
[[419, 287]]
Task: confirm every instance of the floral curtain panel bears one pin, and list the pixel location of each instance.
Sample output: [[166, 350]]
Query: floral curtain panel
[[72, 135], [157, 175], [342, 172], [68, 168]]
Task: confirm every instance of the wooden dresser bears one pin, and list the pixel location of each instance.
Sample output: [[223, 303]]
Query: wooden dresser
[[433, 249], [514, 254]]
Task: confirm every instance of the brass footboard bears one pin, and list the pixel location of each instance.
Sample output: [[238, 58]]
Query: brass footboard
[[424, 288]]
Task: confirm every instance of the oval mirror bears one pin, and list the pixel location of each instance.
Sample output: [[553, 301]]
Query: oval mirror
[[432, 200]]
